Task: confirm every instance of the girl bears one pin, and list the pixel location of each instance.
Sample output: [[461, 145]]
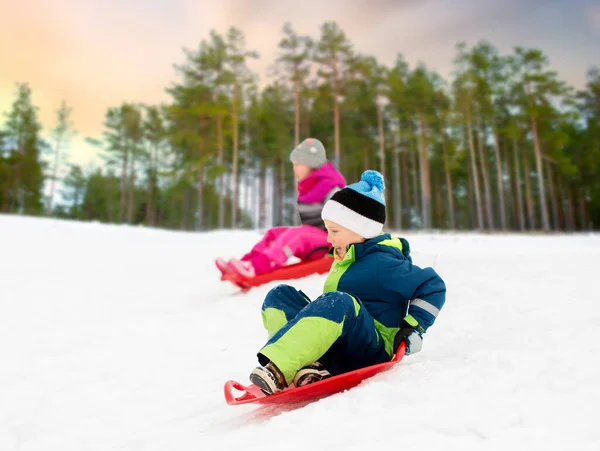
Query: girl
[[317, 180]]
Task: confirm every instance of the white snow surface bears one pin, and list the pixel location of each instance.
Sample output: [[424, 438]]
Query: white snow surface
[[121, 338]]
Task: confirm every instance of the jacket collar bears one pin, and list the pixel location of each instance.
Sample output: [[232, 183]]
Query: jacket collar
[[383, 242]]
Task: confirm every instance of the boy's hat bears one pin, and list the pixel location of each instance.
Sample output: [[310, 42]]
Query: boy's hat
[[359, 207], [310, 152]]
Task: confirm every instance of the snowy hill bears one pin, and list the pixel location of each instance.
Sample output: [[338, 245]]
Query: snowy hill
[[120, 338]]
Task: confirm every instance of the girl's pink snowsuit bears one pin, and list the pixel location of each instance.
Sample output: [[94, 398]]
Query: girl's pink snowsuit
[[280, 243]]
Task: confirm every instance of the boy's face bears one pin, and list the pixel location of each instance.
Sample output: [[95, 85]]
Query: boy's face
[[301, 171], [340, 237]]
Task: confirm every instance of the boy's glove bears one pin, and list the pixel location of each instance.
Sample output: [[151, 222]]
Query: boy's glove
[[410, 333]]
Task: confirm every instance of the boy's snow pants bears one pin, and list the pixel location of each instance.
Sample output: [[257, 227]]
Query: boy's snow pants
[[334, 329]]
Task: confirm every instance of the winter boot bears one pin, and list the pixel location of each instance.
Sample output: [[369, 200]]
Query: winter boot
[[268, 378], [311, 373], [222, 265], [243, 268]]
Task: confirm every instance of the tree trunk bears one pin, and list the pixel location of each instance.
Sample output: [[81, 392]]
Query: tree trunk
[[200, 182], [528, 194], [148, 215], [405, 181], [583, 210], [499, 178], [396, 182], [248, 170], [199, 223], [424, 174], [155, 184], [123, 186], [438, 202], [485, 175], [336, 116], [449, 188], [150, 209], [552, 193], [274, 194], [520, 212], [76, 197], [248, 206], [54, 175], [572, 224], [222, 188], [474, 175], [262, 195], [563, 203], [281, 189], [509, 193], [131, 196], [18, 195], [540, 176], [381, 136], [6, 193], [234, 117], [306, 122], [366, 149], [415, 178], [277, 193], [296, 113], [511, 205], [184, 199], [471, 203]]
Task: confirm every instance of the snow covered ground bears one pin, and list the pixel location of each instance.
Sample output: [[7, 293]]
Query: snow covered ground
[[120, 338]]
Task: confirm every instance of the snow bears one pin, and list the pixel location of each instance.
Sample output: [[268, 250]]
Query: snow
[[118, 337]]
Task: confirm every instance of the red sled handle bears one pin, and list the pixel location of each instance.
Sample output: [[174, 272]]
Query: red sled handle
[[248, 393]]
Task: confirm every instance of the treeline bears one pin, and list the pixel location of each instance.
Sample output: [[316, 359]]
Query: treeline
[[504, 145]]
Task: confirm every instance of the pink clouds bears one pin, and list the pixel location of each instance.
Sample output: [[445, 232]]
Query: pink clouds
[[97, 54], [593, 14]]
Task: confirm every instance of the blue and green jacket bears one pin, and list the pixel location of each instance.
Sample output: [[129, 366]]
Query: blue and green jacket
[[380, 273]]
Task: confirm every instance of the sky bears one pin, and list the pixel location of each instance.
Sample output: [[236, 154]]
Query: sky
[[116, 337], [97, 54]]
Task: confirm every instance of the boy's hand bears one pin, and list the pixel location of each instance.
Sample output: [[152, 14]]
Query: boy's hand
[[411, 334]]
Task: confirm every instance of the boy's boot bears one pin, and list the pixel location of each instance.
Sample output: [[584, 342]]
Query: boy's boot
[[311, 373], [268, 378]]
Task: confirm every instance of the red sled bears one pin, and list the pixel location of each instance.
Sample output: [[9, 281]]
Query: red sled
[[321, 389], [294, 271]]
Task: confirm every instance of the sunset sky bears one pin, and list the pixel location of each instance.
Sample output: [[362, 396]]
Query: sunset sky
[[96, 54]]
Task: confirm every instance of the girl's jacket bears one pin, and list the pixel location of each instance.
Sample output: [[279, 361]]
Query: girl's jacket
[[315, 190], [380, 273]]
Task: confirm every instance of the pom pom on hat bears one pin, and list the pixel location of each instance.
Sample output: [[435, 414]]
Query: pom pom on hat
[[371, 185], [373, 178]]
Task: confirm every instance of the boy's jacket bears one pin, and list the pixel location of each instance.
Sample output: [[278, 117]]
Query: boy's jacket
[[379, 272]]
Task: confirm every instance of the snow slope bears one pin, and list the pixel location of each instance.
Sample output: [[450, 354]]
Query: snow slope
[[120, 338]]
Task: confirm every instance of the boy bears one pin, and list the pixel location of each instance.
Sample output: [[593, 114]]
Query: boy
[[374, 299]]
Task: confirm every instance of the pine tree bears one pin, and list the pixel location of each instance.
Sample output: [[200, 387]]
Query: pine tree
[[536, 85], [74, 190], [60, 135], [237, 55], [22, 191], [334, 54], [295, 56]]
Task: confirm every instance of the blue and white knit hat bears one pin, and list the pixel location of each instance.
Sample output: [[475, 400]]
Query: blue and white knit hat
[[359, 207]]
